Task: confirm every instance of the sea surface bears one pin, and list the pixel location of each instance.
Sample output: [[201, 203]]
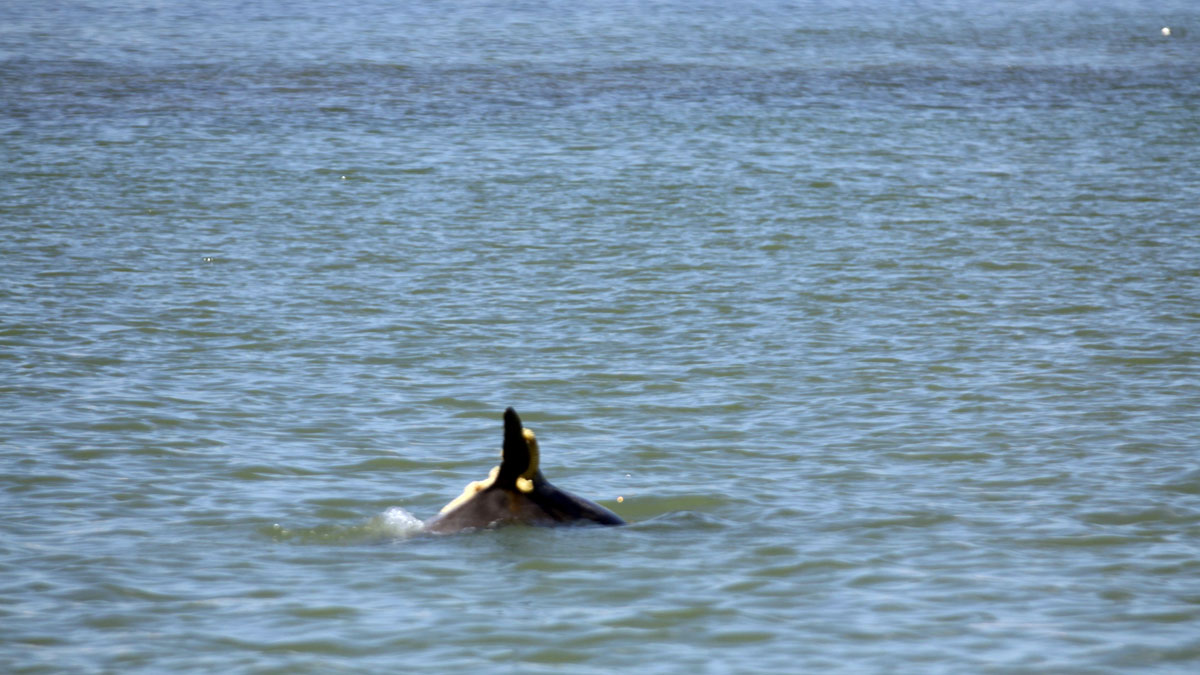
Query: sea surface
[[879, 321]]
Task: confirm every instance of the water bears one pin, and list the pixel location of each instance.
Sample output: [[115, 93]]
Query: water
[[880, 319]]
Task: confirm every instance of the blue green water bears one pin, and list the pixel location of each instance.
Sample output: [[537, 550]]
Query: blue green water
[[877, 320]]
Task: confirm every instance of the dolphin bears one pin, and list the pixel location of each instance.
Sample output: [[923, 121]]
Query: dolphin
[[517, 492]]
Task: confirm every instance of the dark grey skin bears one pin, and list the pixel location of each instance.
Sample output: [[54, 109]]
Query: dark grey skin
[[519, 493]]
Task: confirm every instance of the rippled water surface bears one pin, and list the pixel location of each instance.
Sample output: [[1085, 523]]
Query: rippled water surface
[[879, 322]]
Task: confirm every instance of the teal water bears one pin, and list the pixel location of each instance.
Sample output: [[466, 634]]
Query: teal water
[[877, 320]]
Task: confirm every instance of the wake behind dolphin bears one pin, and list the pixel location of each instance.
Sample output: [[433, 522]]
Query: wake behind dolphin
[[517, 492]]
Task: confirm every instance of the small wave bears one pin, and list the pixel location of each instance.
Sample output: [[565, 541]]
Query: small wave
[[641, 508]]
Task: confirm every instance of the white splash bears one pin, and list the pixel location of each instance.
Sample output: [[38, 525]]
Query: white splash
[[397, 522]]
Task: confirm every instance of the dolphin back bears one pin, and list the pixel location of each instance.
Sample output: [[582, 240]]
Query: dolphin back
[[517, 492]]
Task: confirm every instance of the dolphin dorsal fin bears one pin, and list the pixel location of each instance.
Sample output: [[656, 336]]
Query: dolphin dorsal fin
[[520, 463]]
